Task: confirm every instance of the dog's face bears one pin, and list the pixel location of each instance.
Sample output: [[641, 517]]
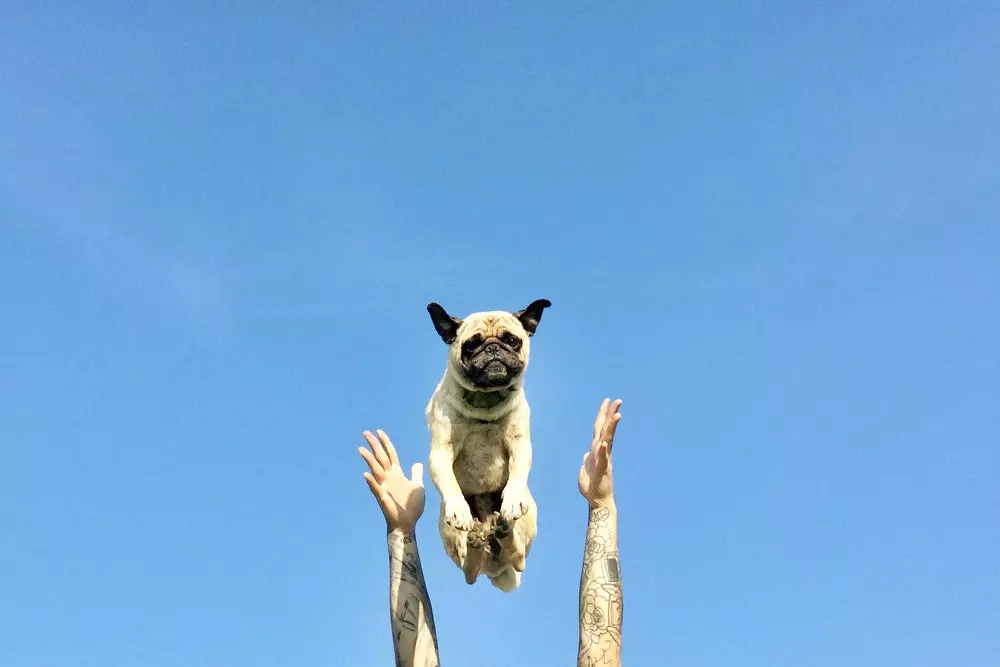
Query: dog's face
[[488, 351]]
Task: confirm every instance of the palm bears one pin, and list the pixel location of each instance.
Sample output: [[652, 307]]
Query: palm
[[407, 498], [595, 478], [401, 499]]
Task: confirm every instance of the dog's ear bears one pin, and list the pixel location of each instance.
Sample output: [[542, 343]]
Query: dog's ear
[[445, 324], [532, 315]]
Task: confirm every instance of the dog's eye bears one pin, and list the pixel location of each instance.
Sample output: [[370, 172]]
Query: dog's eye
[[471, 344], [511, 340]]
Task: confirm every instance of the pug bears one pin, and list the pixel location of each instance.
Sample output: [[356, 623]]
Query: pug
[[480, 442]]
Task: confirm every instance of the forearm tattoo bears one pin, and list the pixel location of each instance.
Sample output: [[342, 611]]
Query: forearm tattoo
[[601, 601], [414, 637]]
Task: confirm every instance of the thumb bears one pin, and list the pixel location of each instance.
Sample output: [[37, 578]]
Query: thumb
[[417, 474]]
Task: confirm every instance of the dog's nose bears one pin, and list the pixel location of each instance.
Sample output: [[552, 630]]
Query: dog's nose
[[493, 349]]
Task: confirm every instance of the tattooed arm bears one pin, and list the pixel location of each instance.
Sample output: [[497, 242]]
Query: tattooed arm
[[601, 595], [601, 592], [414, 638]]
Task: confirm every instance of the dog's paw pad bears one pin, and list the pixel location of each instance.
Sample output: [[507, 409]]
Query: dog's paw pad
[[501, 528], [477, 536]]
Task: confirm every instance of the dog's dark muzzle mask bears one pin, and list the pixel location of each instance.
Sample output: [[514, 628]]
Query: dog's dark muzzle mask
[[491, 364]]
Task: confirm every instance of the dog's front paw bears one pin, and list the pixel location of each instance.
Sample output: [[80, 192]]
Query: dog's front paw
[[501, 527], [515, 503], [457, 514]]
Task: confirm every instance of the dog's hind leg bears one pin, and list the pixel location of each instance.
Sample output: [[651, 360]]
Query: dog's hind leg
[[515, 538], [455, 541], [475, 552], [511, 543]]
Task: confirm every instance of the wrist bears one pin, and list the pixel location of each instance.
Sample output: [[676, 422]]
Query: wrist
[[607, 503], [404, 531]]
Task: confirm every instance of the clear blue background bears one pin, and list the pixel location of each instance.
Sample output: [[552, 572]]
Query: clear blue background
[[771, 228]]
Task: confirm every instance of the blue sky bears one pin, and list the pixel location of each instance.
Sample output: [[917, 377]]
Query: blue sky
[[771, 228]]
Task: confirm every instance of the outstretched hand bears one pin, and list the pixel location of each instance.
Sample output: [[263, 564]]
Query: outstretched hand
[[595, 478], [401, 499]]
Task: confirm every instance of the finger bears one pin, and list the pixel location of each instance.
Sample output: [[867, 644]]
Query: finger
[[611, 428], [417, 474], [601, 416], [369, 458], [612, 412], [389, 447], [603, 412], [602, 459], [599, 427], [379, 452], [375, 487], [385, 500]]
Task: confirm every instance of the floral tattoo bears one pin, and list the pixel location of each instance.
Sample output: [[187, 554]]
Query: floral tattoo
[[601, 601]]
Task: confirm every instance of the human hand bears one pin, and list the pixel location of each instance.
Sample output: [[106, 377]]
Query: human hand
[[595, 479], [401, 499]]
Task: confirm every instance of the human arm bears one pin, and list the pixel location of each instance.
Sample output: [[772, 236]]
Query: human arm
[[414, 636], [601, 594]]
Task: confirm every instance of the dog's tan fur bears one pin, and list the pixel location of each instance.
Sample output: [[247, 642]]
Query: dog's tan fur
[[480, 455]]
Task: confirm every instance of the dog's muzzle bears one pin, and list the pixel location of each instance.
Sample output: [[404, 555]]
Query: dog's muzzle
[[493, 365]]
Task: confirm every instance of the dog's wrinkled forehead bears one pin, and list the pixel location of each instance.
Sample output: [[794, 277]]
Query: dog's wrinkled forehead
[[491, 325]]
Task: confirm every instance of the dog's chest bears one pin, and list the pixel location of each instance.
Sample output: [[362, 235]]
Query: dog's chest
[[481, 462]]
